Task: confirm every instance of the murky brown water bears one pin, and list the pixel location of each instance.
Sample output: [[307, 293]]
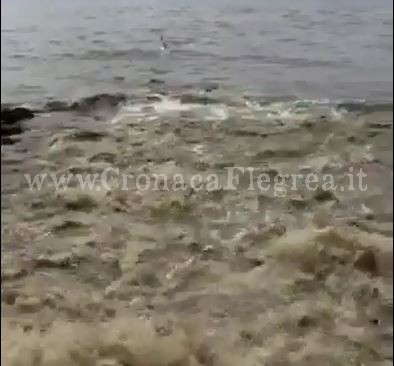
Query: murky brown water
[[194, 277]]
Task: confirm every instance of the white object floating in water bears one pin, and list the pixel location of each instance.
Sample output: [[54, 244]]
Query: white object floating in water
[[164, 44]]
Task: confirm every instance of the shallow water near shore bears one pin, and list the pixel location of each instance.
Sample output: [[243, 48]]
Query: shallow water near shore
[[197, 277], [122, 276]]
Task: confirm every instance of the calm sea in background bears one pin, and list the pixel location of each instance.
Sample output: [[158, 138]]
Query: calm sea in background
[[308, 49]]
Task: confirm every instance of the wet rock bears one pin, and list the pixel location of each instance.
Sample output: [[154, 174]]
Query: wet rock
[[13, 115], [99, 101], [11, 129], [11, 123], [7, 140]]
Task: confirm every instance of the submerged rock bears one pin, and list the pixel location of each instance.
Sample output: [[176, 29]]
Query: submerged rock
[[9, 130]]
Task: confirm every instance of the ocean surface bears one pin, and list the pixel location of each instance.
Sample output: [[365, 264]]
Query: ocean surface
[[308, 48]]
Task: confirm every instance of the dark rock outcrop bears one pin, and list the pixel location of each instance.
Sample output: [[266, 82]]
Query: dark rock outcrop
[[99, 101], [12, 115], [11, 119]]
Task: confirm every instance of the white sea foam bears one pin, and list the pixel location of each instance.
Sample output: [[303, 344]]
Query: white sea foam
[[169, 107]]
